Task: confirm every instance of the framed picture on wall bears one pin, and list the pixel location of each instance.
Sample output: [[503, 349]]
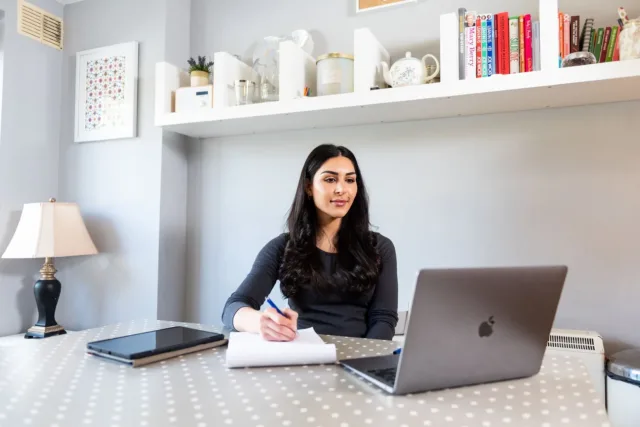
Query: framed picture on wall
[[106, 93], [367, 5]]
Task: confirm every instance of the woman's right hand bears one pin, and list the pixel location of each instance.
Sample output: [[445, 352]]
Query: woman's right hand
[[275, 327]]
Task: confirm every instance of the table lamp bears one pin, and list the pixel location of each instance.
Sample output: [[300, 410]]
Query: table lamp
[[48, 230]]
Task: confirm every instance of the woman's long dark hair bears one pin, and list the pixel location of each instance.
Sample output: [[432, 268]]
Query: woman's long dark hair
[[357, 263]]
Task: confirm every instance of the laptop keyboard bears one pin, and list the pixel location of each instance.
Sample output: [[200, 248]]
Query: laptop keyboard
[[386, 375]]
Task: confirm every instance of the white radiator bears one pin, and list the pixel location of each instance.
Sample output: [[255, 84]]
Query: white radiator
[[588, 346]]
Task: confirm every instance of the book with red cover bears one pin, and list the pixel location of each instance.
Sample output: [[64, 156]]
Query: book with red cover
[[616, 49], [504, 43], [528, 44], [605, 44]]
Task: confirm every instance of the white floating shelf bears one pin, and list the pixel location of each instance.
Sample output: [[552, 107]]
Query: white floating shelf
[[586, 85]]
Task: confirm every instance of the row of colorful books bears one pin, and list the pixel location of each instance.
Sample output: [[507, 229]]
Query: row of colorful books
[[602, 42], [497, 44]]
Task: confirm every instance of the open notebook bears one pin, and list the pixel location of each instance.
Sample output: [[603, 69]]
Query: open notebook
[[247, 349]]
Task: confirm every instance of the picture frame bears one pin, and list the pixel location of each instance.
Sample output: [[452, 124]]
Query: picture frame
[[106, 101], [369, 5]]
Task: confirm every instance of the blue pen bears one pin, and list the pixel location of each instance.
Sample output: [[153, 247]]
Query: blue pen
[[397, 351], [273, 304]]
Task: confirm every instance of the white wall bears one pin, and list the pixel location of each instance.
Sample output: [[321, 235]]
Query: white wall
[[527, 188], [30, 125]]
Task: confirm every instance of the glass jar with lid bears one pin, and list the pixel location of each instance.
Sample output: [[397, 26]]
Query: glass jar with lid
[[334, 74]]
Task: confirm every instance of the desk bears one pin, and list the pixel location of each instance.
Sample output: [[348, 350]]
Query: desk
[[54, 383]]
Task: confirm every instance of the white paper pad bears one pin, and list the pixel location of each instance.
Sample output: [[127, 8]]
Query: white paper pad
[[247, 349]]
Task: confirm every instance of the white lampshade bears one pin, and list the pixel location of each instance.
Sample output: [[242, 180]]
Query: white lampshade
[[50, 229]]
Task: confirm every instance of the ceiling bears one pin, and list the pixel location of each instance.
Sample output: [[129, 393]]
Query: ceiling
[[68, 1]]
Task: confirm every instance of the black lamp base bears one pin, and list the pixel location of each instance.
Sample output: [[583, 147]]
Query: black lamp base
[[44, 332], [47, 291]]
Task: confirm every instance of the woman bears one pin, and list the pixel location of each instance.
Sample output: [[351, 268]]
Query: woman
[[339, 277]]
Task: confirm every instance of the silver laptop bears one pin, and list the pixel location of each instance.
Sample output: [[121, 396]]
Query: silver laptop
[[469, 326]]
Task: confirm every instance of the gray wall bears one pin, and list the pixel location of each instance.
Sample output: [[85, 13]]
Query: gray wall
[[172, 262], [236, 25], [132, 192], [117, 183], [509, 189], [29, 129]]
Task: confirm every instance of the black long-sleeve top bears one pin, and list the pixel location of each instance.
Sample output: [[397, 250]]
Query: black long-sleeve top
[[371, 315]]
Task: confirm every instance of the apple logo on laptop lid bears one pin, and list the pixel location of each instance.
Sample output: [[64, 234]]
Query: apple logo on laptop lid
[[486, 328]]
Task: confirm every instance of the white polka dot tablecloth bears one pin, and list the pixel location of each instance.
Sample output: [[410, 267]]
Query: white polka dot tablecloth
[[54, 383]]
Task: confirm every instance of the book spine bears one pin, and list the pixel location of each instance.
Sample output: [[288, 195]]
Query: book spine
[[462, 12], [587, 34], [504, 45], [490, 52], [612, 44], [521, 42], [561, 35], [484, 46], [594, 39], [605, 44], [566, 25], [514, 46], [597, 50], [575, 34], [478, 47], [536, 46], [470, 54], [528, 44], [616, 49], [496, 45]]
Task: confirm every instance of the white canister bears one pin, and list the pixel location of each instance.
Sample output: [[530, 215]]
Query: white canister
[[623, 388], [334, 74]]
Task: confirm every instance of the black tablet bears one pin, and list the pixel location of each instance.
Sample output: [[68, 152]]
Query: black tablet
[[145, 344]]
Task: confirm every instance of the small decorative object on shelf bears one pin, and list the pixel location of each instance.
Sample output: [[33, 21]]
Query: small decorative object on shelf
[[193, 98], [409, 71], [334, 74], [245, 90], [578, 58], [199, 71], [433, 69], [630, 40]]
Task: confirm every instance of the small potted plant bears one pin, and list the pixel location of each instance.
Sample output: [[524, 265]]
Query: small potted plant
[[199, 71]]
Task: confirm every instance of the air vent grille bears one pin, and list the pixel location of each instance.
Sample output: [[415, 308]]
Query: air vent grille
[[40, 25], [573, 343]]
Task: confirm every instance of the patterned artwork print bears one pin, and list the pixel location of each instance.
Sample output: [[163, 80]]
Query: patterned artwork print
[[105, 88]]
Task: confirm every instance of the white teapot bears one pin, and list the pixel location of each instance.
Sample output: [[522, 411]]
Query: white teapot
[[409, 71]]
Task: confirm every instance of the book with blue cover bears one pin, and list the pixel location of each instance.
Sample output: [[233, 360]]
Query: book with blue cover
[[490, 50]]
